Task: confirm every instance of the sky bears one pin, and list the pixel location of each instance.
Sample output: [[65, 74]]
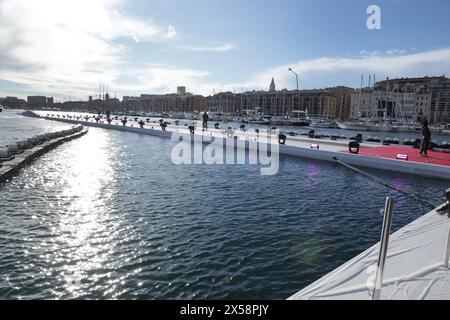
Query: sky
[[68, 48]]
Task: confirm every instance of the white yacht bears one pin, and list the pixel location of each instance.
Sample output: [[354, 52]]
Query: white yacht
[[281, 121], [350, 125], [299, 118], [177, 115], [323, 124], [260, 120]]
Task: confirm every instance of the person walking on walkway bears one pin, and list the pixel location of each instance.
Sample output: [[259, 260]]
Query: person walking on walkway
[[205, 121], [425, 139]]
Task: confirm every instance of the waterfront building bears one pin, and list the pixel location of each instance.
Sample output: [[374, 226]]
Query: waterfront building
[[404, 99], [317, 103], [13, 102], [164, 103], [181, 91], [330, 103], [382, 105], [344, 98], [37, 101]]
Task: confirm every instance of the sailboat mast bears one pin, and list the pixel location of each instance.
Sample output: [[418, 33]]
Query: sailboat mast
[[360, 93]]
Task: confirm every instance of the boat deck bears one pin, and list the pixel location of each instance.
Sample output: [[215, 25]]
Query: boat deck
[[414, 267]]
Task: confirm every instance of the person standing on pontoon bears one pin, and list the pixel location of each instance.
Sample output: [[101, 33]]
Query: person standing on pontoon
[[425, 139], [205, 121]]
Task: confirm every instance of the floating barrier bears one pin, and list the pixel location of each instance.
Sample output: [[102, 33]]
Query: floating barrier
[[389, 141], [17, 154], [373, 139], [4, 155], [13, 149], [24, 144]]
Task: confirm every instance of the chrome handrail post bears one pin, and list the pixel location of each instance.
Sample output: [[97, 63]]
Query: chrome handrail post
[[447, 251], [385, 233]]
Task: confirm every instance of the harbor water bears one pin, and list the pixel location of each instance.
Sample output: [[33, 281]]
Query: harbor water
[[109, 216], [14, 127]]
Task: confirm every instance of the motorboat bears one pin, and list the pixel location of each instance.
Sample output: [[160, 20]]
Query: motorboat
[[281, 121], [177, 115], [299, 118], [350, 125], [323, 124], [264, 120]]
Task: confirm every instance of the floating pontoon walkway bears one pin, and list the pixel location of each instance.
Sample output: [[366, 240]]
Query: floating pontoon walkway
[[371, 155]]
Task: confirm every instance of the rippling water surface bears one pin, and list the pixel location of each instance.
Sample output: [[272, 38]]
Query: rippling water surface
[[109, 216], [14, 127]]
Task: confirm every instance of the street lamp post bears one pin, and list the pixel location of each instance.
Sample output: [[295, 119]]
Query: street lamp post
[[296, 75]]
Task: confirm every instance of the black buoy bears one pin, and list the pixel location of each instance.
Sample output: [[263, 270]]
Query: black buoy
[[108, 120], [141, 124], [359, 138], [216, 125], [282, 138], [353, 147]]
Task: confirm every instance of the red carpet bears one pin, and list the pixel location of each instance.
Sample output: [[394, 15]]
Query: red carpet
[[390, 152]]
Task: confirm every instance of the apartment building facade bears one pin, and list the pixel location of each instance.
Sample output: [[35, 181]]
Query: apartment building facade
[[404, 99]]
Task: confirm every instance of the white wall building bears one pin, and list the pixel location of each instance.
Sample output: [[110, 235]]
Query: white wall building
[[395, 105]]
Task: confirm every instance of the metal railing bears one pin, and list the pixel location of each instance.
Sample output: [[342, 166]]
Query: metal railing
[[385, 233], [447, 251]]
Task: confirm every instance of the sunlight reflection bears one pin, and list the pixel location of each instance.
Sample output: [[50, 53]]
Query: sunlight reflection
[[83, 220]]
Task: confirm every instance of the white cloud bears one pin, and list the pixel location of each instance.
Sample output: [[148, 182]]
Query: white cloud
[[328, 71], [55, 46], [395, 51], [171, 32], [160, 79], [220, 48], [366, 53]]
